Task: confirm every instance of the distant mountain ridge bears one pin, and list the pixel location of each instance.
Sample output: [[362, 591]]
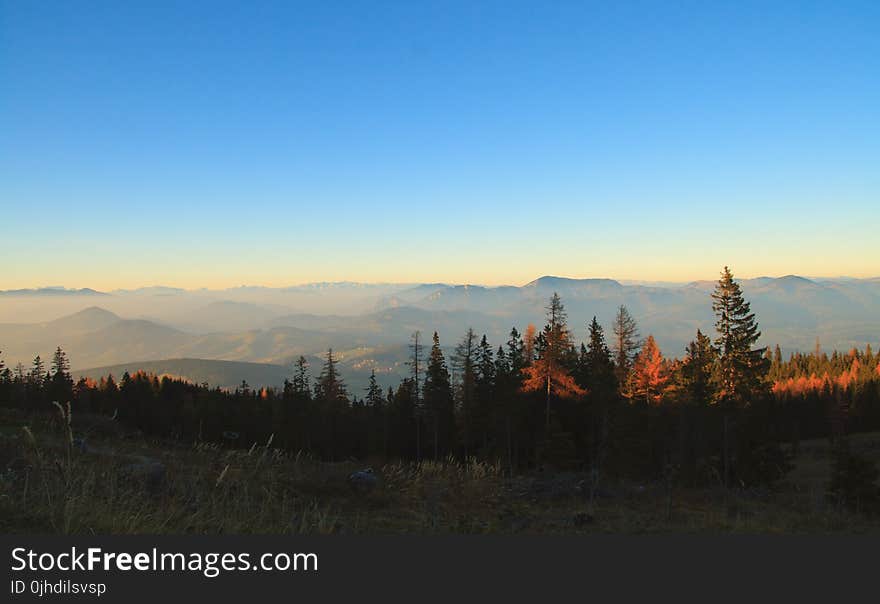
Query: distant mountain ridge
[[370, 327], [52, 291]]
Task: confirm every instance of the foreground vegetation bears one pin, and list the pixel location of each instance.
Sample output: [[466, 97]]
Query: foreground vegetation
[[126, 484], [538, 437]]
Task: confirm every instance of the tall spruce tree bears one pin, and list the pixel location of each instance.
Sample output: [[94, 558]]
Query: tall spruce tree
[[596, 364], [697, 368], [330, 390], [374, 397], [37, 375], [378, 416], [60, 383], [464, 362], [300, 383], [485, 391], [741, 370], [626, 344], [415, 365], [548, 373], [439, 403]]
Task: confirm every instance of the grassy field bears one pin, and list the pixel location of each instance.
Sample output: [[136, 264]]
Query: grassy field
[[120, 483]]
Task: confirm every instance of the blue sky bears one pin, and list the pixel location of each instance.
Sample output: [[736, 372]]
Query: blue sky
[[216, 144]]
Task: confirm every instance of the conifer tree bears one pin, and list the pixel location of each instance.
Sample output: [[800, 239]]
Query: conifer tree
[[649, 376], [515, 352], [439, 403], [374, 396], [330, 389], [415, 365], [485, 390], [378, 415], [697, 369], [597, 366], [60, 383], [741, 370], [548, 372], [38, 373], [60, 364], [626, 343], [464, 362], [301, 377]]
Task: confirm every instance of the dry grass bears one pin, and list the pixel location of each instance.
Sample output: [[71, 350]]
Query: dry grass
[[47, 485]]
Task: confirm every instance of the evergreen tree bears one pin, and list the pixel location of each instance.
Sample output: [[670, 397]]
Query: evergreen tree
[[60, 384], [301, 377], [515, 351], [464, 362], [38, 373], [331, 401], [626, 343], [374, 396], [415, 365], [5, 384], [697, 369], [60, 364], [485, 391], [741, 370], [439, 402], [330, 389], [596, 364], [548, 372]]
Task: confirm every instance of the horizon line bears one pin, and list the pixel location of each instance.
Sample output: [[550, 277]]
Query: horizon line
[[621, 281]]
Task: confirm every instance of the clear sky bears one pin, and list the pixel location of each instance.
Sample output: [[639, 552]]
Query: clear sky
[[216, 144]]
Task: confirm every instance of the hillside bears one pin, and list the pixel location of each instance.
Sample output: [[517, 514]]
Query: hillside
[[224, 374]]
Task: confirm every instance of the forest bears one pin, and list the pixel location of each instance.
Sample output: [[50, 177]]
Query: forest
[[726, 413]]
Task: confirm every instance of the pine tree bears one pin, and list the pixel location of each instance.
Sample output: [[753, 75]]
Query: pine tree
[[439, 402], [60, 364], [330, 389], [301, 377], [485, 390], [38, 373], [597, 366], [464, 362], [697, 369], [741, 370], [331, 404], [548, 372], [60, 383], [415, 365], [374, 396], [626, 343], [516, 355]]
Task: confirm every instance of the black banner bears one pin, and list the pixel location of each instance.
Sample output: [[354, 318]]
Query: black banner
[[454, 568]]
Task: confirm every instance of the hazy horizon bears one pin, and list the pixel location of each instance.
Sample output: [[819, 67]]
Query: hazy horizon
[[648, 281]]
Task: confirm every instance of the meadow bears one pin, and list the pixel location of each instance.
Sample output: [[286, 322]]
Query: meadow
[[121, 482]]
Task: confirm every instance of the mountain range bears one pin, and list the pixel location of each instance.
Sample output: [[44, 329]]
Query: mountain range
[[369, 325]]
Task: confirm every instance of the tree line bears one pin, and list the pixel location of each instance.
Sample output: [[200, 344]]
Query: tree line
[[612, 406]]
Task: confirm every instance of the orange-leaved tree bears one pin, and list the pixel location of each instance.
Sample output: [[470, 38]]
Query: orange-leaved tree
[[548, 372], [649, 375]]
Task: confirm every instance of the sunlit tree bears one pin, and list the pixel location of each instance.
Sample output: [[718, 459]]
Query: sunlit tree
[[547, 373]]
